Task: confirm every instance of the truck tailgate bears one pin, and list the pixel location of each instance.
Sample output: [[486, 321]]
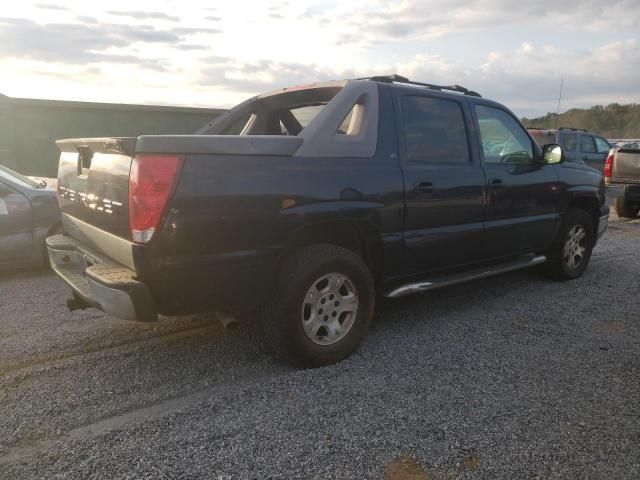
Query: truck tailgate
[[93, 182], [626, 167]]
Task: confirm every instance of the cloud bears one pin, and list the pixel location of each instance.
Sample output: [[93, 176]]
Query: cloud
[[411, 19], [81, 42], [191, 30], [262, 75], [527, 78], [512, 62], [51, 6], [190, 46], [86, 19], [141, 15]]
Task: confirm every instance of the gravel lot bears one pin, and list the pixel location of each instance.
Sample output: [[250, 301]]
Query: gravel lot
[[511, 377]]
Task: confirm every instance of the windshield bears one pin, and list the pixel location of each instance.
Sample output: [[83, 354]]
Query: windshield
[[18, 178]]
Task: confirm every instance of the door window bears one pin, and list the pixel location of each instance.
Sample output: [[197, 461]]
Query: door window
[[434, 131], [504, 140], [602, 145], [586, 144]]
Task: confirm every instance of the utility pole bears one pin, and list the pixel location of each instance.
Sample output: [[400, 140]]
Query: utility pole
[[559, 98]]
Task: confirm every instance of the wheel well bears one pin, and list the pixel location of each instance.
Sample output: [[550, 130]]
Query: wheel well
[[589, 205], [360, 237]]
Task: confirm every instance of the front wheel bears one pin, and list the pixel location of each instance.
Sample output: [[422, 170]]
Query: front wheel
[[570, 253], [321, 307]]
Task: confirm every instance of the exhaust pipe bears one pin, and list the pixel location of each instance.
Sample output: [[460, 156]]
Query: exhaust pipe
[[227, 321]]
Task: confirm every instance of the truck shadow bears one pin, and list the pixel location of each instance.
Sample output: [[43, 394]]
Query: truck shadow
[[8, 274]]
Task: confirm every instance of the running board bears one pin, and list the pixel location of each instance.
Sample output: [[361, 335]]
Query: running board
[[424, 285]]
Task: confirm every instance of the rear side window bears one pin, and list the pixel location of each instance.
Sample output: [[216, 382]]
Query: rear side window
[[602, 145], [434, 130], [586, 144], [569, 141], [304, 115], [236, 127]]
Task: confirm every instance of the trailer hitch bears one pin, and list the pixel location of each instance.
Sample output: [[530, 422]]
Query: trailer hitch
[[76, 303]]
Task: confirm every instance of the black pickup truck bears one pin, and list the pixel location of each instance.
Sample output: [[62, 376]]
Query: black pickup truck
[[305, 204]]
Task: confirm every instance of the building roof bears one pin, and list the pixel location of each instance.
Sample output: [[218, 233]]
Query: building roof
[[109, 106]]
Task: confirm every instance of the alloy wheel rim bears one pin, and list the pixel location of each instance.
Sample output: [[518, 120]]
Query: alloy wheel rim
[[575, 247], [329, 308]]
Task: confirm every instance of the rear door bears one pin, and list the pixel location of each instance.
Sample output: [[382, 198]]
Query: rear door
[[522, 212], [16, 220], [443, 181], [589, 153]]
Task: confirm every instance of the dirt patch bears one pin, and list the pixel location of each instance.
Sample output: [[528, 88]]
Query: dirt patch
[[613, 327], [405, 467], [471, 463]]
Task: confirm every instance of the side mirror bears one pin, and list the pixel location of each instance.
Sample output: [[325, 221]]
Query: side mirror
[[553, 153]]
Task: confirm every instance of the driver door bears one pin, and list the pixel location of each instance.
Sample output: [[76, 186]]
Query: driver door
[[521, 212]]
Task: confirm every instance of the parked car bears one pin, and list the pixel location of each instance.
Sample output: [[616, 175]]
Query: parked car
[[580, 146], [329, 194], [28, 214], [629, 145], [622, 171], [633, 144]]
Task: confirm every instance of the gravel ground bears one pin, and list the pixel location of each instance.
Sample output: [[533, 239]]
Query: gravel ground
[[511, 377]]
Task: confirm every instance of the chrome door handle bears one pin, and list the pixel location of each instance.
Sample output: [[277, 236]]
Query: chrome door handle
[[496, 184], [423, 187]]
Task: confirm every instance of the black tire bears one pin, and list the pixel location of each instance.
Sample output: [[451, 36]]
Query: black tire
[[558, 264], [282, 317], [625, 208]]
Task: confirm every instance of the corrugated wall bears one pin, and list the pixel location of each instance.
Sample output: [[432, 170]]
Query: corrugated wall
[[29, 128]]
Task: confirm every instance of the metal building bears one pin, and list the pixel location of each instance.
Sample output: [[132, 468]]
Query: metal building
[[29, 127]]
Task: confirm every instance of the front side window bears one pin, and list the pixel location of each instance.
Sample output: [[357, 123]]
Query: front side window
[[503, 138], [586, 144], [602, 145], [434, 131]]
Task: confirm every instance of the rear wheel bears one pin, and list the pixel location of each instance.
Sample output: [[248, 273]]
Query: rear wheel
[[321, 307], [570, 253], [626, 208]]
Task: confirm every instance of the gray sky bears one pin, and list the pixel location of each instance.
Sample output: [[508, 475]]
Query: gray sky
[[218, 53]]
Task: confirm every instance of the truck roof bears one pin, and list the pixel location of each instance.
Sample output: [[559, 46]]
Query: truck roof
[[387, 79], [395, 78]]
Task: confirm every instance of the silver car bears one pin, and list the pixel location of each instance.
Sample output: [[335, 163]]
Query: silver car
[[28, 214]]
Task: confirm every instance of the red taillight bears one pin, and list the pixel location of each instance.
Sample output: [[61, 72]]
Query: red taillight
[[608, 166], [151, 182]]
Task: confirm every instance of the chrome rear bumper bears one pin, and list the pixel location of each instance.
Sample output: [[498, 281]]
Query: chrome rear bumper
[[99, 281]]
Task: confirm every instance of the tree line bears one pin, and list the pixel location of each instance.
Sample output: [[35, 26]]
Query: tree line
[[611, 121]]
